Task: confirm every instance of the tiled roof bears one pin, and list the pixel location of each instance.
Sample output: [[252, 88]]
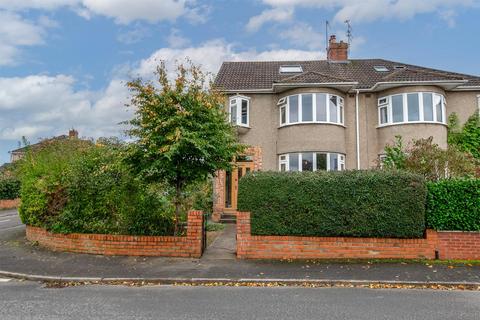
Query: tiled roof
[[312, 77], [261, 75], [38, 144]]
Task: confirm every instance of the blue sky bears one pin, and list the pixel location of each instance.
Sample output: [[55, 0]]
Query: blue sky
[[64, 63]]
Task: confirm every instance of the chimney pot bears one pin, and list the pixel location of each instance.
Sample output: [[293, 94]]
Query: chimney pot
[[73, 133]]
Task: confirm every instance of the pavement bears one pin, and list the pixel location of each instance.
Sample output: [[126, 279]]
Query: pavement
[[32, 300], [21, 259]]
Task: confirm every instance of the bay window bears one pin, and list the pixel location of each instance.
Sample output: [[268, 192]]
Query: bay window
[[240, 111], [312, 161], [411, 107], [311, 108]]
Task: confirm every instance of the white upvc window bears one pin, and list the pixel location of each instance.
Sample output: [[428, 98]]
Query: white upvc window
[[239, 110], [412, 107], [311, 161], [311, 108]]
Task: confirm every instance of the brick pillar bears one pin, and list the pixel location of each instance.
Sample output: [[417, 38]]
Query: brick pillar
[[195, 232], [243, 233]]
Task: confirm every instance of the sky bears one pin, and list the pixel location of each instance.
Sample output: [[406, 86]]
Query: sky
[[64, 63]]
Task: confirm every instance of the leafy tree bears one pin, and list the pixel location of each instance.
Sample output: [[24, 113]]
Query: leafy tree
[[181, 130], [426, 158]]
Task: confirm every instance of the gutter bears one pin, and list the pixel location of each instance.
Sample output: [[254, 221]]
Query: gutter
[[357, 129]]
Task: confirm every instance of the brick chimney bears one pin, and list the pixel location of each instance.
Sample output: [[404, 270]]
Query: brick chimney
[[337, 51], [73, 133]]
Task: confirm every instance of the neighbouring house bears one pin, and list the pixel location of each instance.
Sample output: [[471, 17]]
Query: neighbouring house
[[19, 153], [333, 114]]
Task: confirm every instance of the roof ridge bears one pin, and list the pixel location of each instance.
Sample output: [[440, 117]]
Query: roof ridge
[[424, 71], [311, 72]]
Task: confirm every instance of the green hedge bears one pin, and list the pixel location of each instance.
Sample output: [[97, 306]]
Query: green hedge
[[371, 203], [454, 205], [9, 188], [74, 186]]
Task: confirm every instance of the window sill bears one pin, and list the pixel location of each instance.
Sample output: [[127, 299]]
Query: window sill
[[410, 123], [311, 123]]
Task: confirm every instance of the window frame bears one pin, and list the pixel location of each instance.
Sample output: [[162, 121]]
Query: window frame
[[284, 159], [284, 102], [237, 100], [386, 101]]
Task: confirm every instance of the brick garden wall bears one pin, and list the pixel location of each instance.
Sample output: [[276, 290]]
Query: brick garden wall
[[459, 245], [166, 246], [450, 245], [9, 204]]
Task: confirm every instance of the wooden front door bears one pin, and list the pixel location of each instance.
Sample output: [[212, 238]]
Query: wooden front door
[[231, 183]]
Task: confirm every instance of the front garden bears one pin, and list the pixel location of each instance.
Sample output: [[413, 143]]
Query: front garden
[[76, 190]]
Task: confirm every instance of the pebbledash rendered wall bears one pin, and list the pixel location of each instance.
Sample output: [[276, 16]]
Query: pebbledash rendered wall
[[448, 245], [9, 204], [102, 244]]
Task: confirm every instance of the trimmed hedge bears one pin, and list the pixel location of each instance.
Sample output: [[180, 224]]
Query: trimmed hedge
[[454, 205], [9, 188], [372, 203]]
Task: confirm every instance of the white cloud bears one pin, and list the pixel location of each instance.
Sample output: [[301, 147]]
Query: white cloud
[[371, 10], [126, 11], [303, 35], [211, 54], [17, 32], [42, 106], [176, 40], [271, 15], [35, 4], [122, 11]]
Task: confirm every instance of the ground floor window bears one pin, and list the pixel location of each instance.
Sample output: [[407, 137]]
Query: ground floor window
[[311, 161]]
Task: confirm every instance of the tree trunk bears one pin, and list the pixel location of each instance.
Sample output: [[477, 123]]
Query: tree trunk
[[178, 194]]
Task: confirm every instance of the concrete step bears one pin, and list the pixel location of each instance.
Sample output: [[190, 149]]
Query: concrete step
[[228, 218]]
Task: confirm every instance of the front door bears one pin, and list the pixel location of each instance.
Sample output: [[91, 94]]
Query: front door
[[231, 183]]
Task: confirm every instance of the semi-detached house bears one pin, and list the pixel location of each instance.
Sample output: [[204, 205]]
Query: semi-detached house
[[333, 114]]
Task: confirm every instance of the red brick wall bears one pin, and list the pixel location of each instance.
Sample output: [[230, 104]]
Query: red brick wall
[[449, 244], [290, 247], [9, 204], [166, 246], [459, 245]]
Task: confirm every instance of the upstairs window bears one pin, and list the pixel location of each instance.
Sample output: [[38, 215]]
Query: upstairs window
[[291, 69], [411, 107], [240, 111], [311, 108]]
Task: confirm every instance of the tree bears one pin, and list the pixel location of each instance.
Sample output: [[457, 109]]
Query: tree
[[426, 158], [181, 130]]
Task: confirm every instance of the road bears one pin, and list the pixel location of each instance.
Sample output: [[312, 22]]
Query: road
[[9, 220], [28, 300]]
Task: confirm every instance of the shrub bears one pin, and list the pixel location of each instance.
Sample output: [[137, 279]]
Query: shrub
[[74, 186], [426, 158], [454, 205], [371, 203], [467, 138], [9, 188]]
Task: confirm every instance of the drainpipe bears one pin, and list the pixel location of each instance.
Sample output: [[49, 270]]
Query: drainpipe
[[357, 129]]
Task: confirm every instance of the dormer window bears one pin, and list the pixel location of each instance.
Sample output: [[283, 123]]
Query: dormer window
[[380, 68], [291, 69], [240, 111]]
